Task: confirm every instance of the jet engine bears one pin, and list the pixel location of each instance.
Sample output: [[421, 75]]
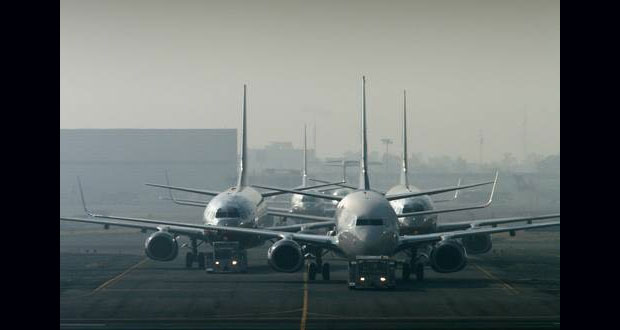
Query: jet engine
[[448, 256], [286, 256], [161, 246], [477, 244]]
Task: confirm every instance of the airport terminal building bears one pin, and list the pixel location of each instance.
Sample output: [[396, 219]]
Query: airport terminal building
[[114, 164]]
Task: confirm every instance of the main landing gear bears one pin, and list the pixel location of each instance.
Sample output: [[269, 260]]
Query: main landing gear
[[415, 265], [318, 266], [194, 256]]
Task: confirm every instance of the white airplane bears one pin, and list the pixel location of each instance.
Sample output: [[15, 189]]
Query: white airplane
[[365, 224], [303, 204], [421, 215], [239, 206]]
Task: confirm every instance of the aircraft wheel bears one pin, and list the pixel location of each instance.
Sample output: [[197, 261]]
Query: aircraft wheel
[[312, 271], [189, 260], [325, 271], [201, 260], [406, 271], [419, 272]]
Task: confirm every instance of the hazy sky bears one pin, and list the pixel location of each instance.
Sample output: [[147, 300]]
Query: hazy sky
[[467, 66]]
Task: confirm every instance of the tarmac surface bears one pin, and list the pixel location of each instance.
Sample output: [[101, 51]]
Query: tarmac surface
[[106, 282]]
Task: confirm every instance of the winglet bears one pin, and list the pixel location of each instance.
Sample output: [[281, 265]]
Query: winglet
[[243, 161], [168, 183], [82, 198], [304, 170], [492, 189], [403, 174], [364, 181]]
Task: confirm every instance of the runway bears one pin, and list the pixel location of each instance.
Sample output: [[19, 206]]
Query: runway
[[517, 285]]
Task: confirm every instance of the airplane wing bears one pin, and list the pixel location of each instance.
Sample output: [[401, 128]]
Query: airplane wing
[[490, 222], [336, 184], [214, 193], [276, 209], [410, 214], [302, 227], [199, 230], [185, 202], [192, 190], [172, 227], [300, 216], [307, 193], [456, 195], [407, 241], [274, 193], [438, 190]]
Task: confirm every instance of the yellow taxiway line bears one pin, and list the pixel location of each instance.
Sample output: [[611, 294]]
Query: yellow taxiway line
[[119, 276], [304, 310], [507, 286]]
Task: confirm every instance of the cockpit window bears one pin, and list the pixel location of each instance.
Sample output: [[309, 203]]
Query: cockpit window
[[369, 222], [417, 207], [308, 199], [227, 213]]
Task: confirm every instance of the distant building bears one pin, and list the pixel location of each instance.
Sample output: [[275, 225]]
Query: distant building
[[114, 164], [279, 156]]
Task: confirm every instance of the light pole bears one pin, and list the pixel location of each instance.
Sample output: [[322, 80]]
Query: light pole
[[387, 143]]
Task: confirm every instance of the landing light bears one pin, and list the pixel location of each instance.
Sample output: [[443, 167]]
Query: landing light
[[217, 262], [234, 262], [362, 279], [382, 279]]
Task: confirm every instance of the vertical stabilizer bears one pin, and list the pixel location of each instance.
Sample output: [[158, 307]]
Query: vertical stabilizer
[[403, 174], [244, 146], [364, 181], [304, 170]]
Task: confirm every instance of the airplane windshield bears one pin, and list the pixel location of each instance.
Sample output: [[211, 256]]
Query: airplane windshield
[[369, 222], [227, 213], [413, 208]]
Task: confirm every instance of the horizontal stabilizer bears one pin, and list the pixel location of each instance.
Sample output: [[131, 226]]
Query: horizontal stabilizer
[[300, 192]]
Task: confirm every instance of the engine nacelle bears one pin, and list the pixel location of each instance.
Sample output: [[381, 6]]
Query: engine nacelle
[[477, 244], [161, 246], [286, 256], [448, 256]]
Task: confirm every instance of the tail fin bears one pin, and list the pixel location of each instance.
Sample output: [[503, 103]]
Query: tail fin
[[304, 170], [244, 146], [364, 181], [403, 174]]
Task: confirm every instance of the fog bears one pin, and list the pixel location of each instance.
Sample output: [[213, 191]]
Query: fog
[[469, 67]]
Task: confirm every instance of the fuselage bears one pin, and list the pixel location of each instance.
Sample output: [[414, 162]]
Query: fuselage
[[418, 224], [304, 204], [341, 192], [366, 224], [234, 208]]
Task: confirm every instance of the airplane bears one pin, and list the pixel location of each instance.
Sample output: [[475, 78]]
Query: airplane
[[238, 206], [421, 213], [365, 224], [301, 203]]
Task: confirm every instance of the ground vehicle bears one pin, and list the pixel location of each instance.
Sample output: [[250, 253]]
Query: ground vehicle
[[227, 257], [372, 272]]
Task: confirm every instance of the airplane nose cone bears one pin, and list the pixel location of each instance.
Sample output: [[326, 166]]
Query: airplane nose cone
[[375, 241]]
